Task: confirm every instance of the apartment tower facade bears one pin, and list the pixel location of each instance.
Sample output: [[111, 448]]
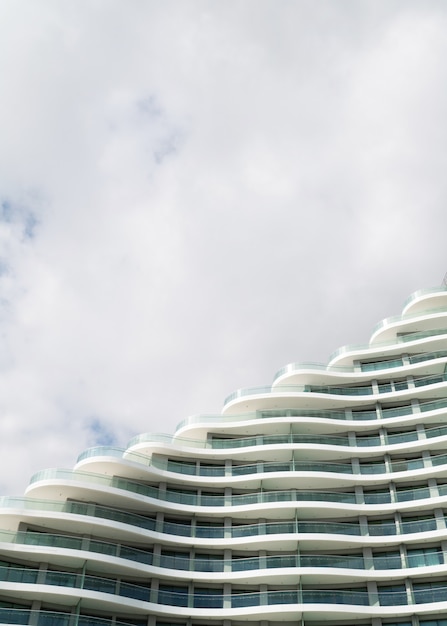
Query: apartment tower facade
[[318, 500]]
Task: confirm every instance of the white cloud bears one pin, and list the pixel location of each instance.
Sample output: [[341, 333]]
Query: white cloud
[[213, 189]]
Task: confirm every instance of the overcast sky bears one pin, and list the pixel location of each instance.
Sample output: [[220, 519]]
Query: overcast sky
[[193, 194]]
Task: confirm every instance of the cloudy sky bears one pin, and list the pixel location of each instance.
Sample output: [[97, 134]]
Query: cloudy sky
[[195, 193]]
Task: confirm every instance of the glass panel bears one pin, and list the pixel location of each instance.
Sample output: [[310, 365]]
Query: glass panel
[[391, 560], [382, 527], [134, 591], [208, 598], [175, 596], [426, 592], [393, 595], [418, 526], [424, 556], [14, 616]]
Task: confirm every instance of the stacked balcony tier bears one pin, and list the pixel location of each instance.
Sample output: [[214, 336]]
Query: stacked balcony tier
[[320, 499]]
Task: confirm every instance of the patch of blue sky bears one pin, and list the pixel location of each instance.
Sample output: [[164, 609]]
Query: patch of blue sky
[[16, 213], [100, 434], [164, 135], [4, 267], [149, 106], [167, 147]]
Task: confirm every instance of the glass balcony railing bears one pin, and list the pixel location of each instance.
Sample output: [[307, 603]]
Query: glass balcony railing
[[375, 366], [208, 531], [204, 469], [356, 415], [204, 499], [370, 366], [388, 321], [210, 564], [210, 600], [423, 292], [17, 574], [280, 439], [214, 599], [52, 618], [320, 367], [359, 390], [364, 348]]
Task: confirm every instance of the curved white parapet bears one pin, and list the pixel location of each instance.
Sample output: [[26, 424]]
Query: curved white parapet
[[320, 499]]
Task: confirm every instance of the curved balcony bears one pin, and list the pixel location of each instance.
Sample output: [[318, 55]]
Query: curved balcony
[[378, 367], [423, 295], [388, 348], [53, 618], [290, 415], [204, 500], [419, 321], [313, 366], [360, 445], [20, 574], [213, 599], [379, 562], [205, 470], [374, 528], [359, 390]]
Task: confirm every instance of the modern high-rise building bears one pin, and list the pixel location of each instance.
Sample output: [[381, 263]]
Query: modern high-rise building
[[318, 500]]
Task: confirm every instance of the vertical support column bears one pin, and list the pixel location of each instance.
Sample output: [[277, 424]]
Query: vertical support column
[[444, 551], [420, 429], [228, 467], [403, 555], [227, 597], [34, 615], [415, 407], [159, 521], [85, 543], [193, 526], [440, 519], [43, 567], [263, 593], [433, 486], [378, 408], [409, 590], [368, 558], [393, 492], [156, 555], [227, 496], [151, 620], [190, 602], [154, 590], [373, 594], [227, 527], [363, 523], [426, 458], [262, 559], [358, 490], [227, 567]]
